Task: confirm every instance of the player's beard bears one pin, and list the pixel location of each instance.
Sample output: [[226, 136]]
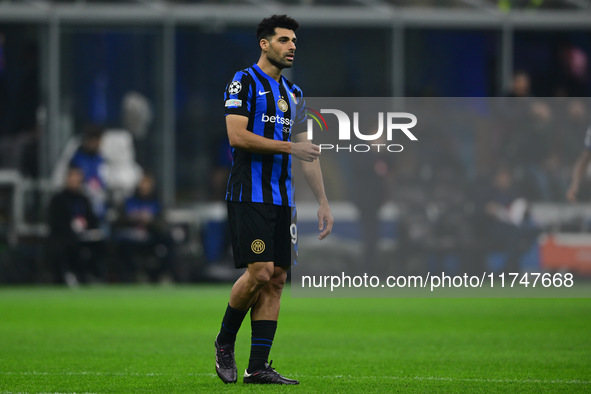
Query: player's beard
[[279, 62]]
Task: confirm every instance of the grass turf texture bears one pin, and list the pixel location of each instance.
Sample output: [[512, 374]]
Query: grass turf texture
[[160, 339]]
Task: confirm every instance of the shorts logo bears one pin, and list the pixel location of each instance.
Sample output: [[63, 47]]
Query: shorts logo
[[257, 246], [282, 105], [235, 87]]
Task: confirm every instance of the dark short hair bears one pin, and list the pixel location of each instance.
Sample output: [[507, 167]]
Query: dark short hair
[[267, 26], [92, 131], [74, 168]]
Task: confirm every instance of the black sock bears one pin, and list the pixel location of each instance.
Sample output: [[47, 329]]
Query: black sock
[[230, 325], [263, 332]]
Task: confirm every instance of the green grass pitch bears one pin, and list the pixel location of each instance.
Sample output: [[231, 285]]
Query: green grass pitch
[[160, 339]]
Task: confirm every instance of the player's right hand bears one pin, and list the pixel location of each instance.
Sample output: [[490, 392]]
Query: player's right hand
[[305, 151]]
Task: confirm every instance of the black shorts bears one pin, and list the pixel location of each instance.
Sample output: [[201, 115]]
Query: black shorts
[[262, 232]]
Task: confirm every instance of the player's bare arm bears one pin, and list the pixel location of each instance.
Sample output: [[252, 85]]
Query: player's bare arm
[[578, 173], [241, 138], [305, 151], [313, 176]]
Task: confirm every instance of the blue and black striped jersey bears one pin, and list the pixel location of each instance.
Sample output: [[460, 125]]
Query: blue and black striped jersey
[[275, 110]]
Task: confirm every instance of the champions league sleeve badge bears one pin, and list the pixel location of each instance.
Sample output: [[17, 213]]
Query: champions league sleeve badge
[[235, 87]]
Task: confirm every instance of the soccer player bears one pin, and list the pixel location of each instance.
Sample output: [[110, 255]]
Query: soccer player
[[580, 168], [263, 111]]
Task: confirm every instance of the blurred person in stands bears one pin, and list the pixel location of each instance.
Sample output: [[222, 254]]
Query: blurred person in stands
[[137, 117], [93, 164], [506, 224], [571, 116], [144, 241], [520, 86], [580, 169], [573, 71], [370, 172], [75, 242], [526, 119]]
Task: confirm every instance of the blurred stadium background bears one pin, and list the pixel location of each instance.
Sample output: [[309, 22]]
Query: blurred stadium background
[[157, 69]]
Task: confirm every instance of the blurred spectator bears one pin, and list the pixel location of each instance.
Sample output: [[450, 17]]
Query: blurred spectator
[[369, 175], [527, 126], [569, 125], [136, 117], [88, 158], [121, 146], [142, 234], [505, 224], [573, 73], [569, 120], [119, 170], [74, 243], [124, 173], [580, 169], [558, 176], [520, 85], [450, 229], [136, 114]]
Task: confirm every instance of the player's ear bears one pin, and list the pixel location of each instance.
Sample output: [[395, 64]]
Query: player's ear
[[264, 44]]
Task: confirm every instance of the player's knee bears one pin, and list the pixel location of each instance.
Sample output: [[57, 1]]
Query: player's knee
[[262, 274], [262, 278], [279, 278], [277, 284]]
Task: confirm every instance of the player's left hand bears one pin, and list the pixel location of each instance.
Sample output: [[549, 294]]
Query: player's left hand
[[325, 221]]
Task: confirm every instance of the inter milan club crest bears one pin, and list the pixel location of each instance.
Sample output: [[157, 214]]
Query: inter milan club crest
[[257, 246], [235, 87], [282, 105]]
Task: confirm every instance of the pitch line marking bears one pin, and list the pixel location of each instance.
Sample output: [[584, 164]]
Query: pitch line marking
[[434, 378]]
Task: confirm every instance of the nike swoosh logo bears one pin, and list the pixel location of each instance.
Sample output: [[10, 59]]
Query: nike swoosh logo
[[261, 93]]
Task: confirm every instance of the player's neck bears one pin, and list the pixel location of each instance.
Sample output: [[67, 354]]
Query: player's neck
[[269, 69]]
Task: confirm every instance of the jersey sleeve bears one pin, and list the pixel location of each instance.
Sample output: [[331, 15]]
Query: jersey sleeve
[[238, 94], [299, 124]]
